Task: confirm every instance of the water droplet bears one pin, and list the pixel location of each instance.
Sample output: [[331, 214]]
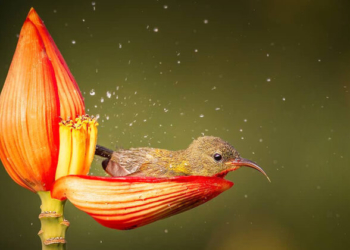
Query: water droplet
[[217, 109], [73, 41], [166, 110], [93, 3], [245, 120], [92, 92], [205, 21], [120, 45], [245, 196], [155, 29], [201, 116], [108, 94], [267, 55], [165, 6], [261, 140], [283, 99], [268, 79], [196, 50], [178, 62], [102, 99], [166, 231]]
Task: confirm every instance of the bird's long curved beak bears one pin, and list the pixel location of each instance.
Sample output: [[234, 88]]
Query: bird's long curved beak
[[242, 162]]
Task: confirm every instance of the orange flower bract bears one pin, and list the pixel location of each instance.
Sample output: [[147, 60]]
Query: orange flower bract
[[38, 90]]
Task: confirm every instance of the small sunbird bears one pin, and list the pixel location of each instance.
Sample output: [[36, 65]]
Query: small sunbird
[[206, 156]]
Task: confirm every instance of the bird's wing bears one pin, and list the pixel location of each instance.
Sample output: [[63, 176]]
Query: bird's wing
[[114, 168], [126, 162]]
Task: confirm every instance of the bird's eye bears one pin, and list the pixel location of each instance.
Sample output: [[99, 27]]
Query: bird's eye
[[217, 157]]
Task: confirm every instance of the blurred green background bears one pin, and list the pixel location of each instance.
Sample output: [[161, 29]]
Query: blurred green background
[[270, 77]]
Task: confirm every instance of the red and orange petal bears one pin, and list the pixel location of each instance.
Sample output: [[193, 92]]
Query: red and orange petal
[[71, 99], [29, 114], [130, 202]]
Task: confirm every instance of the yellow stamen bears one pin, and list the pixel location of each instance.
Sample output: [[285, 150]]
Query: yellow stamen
[[79, 134], [64, 156], [90, 145]]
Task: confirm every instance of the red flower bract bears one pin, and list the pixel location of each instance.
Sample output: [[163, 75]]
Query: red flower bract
[[130, 202]]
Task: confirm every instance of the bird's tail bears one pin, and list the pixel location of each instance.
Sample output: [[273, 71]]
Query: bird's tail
[[103, 152]]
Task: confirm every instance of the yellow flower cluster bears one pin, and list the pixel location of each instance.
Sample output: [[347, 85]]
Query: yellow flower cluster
[[77, 146]]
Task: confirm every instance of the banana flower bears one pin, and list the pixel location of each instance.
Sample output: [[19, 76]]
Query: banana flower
[[47, 144]]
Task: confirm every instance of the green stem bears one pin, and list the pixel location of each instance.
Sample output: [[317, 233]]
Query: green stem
[[53, 225]]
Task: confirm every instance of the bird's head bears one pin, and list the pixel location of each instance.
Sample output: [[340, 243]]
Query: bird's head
[[212, 156]]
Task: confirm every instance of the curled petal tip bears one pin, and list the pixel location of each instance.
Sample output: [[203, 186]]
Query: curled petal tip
[[32, 10]]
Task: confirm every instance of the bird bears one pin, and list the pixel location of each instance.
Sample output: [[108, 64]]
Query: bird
[[205, 156]]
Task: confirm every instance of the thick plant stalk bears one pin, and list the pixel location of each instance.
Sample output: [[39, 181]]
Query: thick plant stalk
[[53, 225]]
